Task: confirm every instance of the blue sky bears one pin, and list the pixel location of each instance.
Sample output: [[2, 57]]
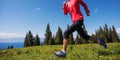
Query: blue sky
[[17, 17]]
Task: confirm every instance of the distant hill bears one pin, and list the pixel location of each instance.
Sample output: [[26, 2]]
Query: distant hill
[[15, 40]]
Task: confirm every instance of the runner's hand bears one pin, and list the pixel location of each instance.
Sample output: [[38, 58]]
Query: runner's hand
[[88, 14]]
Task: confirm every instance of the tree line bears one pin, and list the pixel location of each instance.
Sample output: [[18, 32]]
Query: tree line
[[30, 40], [108, 33]]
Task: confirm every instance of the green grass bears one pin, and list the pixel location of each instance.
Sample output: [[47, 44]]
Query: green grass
[[74, 52]]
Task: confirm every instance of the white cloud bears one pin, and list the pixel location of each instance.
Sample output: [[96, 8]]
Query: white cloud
[[118, 30], [38, 8], [96, 11], [7, 35]]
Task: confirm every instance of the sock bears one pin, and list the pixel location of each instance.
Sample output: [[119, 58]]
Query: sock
[[63, 51]]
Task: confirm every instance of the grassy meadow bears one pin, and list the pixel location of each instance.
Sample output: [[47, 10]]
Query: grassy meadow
[[74, 52]]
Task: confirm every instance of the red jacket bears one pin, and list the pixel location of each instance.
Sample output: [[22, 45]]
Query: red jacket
[[73, 7]]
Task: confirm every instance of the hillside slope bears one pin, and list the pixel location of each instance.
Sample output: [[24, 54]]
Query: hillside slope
[[77, 52]]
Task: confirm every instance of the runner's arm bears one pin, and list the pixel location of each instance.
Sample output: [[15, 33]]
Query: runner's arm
[[85, 7]]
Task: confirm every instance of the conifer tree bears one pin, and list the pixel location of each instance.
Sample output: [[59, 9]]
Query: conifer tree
[[106, 33], [59, 36], [37, 40], [110, 35], [51, 41], [71, 40], [26, 41], [29, 40], [48, 35], [114, 35], [10, 47]]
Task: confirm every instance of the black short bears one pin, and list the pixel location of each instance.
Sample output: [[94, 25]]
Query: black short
[[77, 26]]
